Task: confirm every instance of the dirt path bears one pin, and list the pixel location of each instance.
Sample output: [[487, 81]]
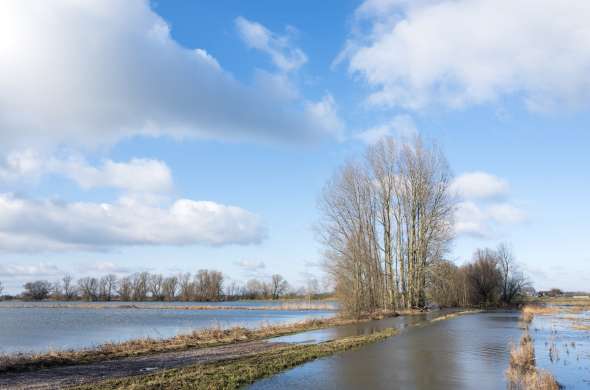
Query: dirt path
[[60, 377]]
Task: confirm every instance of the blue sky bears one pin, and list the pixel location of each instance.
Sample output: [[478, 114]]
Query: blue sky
[[118, 121]]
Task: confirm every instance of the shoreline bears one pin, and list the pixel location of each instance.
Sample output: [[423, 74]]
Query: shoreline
[[227, 350]]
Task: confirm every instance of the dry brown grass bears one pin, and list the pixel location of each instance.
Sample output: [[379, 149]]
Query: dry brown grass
[[580, 326], [529, 311], [522, 373], [197, 339], [236, 373]]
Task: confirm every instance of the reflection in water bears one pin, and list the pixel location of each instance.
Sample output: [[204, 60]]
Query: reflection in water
[[468, 352]]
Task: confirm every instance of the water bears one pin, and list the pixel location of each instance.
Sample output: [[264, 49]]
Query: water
[[467, 352], [561, 348], [38, 327]]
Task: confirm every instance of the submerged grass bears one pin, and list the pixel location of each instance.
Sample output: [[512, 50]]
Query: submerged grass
[[522, 373], [530, 311], [198, 339], [232, 374]]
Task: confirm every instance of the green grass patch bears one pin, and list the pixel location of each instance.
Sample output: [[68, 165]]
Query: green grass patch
[[232, 374]]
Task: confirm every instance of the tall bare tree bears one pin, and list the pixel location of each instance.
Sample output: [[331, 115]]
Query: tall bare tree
[[385, 221], [69, 289]]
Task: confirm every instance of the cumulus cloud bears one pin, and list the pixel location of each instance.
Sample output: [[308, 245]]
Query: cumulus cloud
[[479, 185], [401, 126], [486, 220], [32, 226], [136, 175], [283, 54], [484, 209], [462, 52], [95, 72]]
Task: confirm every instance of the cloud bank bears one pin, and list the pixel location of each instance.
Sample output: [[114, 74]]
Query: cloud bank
[[456, 53], [37, 226], [98, 71]]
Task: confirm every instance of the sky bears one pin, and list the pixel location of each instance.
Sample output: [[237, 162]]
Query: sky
[[171, 136]]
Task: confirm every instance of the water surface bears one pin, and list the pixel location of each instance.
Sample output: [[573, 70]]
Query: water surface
[[38, 327], [467, 352]]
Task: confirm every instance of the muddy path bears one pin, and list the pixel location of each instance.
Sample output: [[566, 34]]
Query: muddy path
[[60, 377]]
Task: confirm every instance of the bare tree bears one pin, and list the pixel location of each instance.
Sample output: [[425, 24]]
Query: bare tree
[[484, 277], [37, 290], [185, 286], [385, 221], [1, 288], [156, 282], [139, 283], [108, 285], [170, 288], [513, 280], [278, 286], [69, 290], [89, 288], [125, 289]]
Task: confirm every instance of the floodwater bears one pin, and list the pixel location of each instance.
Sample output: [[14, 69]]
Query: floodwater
[[466, 352], [562, 345], [44, 326]]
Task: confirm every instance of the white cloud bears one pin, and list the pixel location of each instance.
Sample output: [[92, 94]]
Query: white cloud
[[479, 185], [136, 175], [29, 270], [94, 72], [461, 52], [279, 47], [486, 221], [484, 209], [401, 126], [33, 226], [506, 213]]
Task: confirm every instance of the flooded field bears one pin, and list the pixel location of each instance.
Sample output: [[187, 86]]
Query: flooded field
[[467, 352], [562, 344], [40, 327]]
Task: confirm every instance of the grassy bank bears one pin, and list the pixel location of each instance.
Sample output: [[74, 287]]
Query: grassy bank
[[197, 339], [522, 372], [232, 374]]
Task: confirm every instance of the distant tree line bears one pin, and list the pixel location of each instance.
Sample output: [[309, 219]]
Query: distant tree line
[[205, 285], [492, 277]]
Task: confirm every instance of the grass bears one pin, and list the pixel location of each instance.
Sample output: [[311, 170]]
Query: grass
[[233, 374], [529, 311], [198, 339], [522, 373]]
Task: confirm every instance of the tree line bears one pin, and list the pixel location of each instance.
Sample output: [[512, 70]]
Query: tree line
[[386, 224], [492, 277], [204, 285]]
